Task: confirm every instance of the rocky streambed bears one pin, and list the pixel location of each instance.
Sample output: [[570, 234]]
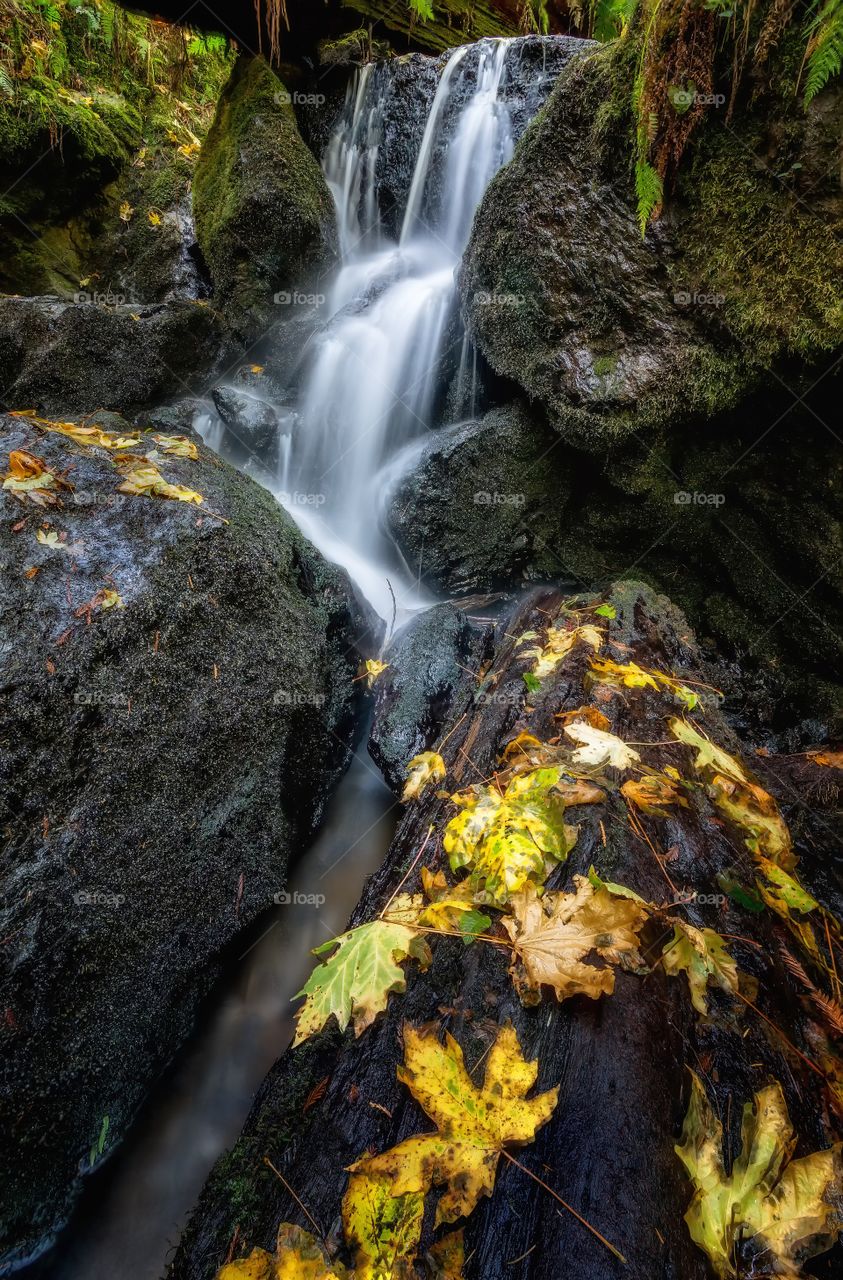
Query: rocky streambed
[[641, 425]]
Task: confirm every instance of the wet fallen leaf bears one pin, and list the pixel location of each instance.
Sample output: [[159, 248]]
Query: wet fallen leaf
[[558, 644], [756, 813], [52, 540], [453, 907], [631, 676], [372, 669], [178, 446], [145, 480], [599, 749], [784, 1206], [82, 434], [473, 1125], [591, 715], [781, 891], [709, 755], [383, 1228], [126, 211], [422, 770], [31, 572], [30, 479], [828, 759], [153, 218], [355, 982], [552, 936], [702, 955], [508, 839], [653, 794]]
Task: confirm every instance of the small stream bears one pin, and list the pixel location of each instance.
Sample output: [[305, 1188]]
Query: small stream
[[372, 391]]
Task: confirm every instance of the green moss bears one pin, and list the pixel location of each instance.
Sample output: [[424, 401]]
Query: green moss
[[455, 22], [747, 235], [264, 215]]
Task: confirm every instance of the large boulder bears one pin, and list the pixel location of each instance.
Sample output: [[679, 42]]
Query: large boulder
[[482, 508], [176, 699], [70, 357], [618, 335], [264, 215]]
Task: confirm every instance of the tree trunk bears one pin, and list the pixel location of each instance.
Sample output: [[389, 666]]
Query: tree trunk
[[620, 1061]]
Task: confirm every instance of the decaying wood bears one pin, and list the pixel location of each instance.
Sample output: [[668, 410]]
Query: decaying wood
[[619, 1061]]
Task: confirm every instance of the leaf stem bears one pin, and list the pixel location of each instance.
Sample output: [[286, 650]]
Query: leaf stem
[[303, 1208], [565, 1205], [409, 870]]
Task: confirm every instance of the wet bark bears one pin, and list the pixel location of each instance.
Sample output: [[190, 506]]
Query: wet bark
[[620, 1062]]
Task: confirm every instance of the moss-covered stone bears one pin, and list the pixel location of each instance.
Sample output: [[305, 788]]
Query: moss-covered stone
[[264, 215], [616, 335]]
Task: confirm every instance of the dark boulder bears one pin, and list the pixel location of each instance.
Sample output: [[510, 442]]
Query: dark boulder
[[264, 216], [252, 423], [428, 682], [72, 357], [166, 750], [483, 509]]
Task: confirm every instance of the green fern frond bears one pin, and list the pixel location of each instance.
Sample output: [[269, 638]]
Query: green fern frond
[[649, 190], [825, 48]]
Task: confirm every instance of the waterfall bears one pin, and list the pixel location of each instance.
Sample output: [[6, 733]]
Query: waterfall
[[391, 336]]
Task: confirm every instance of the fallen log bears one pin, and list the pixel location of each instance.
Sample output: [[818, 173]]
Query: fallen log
[[620, 1061]]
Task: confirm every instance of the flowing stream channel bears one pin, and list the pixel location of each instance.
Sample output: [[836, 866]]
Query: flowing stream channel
[[371, 394]]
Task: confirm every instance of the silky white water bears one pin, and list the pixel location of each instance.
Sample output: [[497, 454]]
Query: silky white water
[[376, 367]]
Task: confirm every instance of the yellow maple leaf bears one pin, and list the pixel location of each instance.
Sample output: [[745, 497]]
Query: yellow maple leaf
[[709, 755], [126, 212], [473, 1125], [552, 937], [30, 479], [558, 644], [144, 479], [82, 434], [423, 769], [509, 839], [629, 675], [702, 955], [372, 669], [653, 794], [785, 1206]]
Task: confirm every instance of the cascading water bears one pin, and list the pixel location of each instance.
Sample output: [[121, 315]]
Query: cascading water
[[376, 368]]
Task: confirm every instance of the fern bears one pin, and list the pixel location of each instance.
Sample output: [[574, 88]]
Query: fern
[[648, 189], [824, 53]]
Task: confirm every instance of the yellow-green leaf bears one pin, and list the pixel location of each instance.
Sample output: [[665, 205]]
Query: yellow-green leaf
[[785, 1207], [702, 955], [473, 1125], [354, 984], [383, 1228], [144, 479], [422, 770], [709, 755], [509, 839]]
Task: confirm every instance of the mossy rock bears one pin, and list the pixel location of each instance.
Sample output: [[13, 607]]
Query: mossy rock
[[264, 215]]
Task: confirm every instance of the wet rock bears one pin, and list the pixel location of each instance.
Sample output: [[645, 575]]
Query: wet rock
[[564, 297], [428, 682], [264, 216], [484, 506], [76, 357], [252, 422], [163, 759]]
